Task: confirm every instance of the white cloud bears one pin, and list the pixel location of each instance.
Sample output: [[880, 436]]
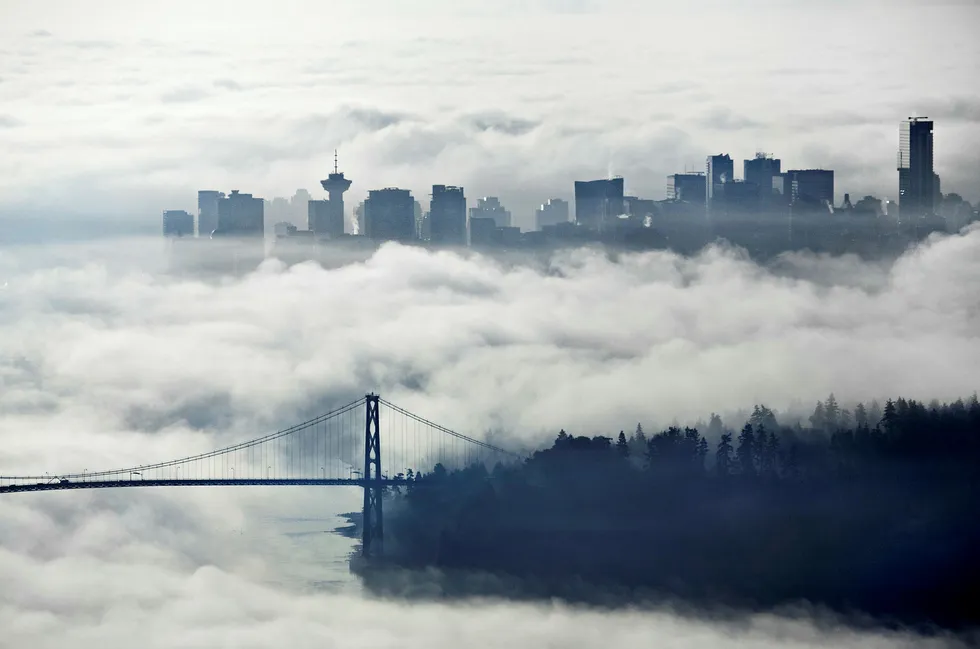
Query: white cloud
[[105, 363], [583, 342]]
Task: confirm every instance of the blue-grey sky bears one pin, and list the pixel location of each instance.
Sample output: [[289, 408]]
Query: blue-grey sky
[[129, 107]]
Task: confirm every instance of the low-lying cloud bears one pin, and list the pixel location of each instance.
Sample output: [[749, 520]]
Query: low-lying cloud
[[106, 361], [581, 341]]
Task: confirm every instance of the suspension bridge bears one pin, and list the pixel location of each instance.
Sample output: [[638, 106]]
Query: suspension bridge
[[339, 448]]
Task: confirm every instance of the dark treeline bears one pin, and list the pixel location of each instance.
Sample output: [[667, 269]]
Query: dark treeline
[[871, 511]]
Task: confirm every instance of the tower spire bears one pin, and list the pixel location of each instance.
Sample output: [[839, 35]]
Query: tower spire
[[335, 160]]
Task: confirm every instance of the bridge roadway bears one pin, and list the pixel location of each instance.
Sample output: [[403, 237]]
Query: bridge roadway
[[204, 482]]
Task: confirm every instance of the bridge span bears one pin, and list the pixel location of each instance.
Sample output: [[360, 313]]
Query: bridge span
[[339, 448]]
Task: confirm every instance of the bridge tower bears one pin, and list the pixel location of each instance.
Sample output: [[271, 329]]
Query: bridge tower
[[372, 539]]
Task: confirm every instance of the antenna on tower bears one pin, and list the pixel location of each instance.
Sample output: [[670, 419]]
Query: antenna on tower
[[335, 160]]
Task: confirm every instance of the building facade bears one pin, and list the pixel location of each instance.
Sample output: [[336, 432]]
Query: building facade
[[490, 207], [447, 216], [178, 223], [811, 186], [326, 218], [760, 171], [598, 202], [207, 211], [916, 176], [241, 215], [553, 212], [389, 215], [720, 170], [688, 187]]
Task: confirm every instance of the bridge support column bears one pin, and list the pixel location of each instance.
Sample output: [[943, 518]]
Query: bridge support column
[[372, 539]]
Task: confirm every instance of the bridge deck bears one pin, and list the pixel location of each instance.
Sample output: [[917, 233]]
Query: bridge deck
[[234, 482]]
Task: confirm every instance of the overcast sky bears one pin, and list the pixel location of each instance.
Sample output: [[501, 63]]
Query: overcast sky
[[122, 108]]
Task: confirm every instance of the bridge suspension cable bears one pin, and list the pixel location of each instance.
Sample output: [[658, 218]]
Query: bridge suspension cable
[[327, 449], [447, 431]]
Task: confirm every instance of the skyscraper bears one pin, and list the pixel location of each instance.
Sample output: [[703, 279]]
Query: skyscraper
[[490, 207], [241, 215], [720, 170], [178, 223], [389, 215], [760, 171], [447, 216], [916, 177], [326, 217], [553, 212], [207, 211], [598, 201], [811, 186], [688, 187]]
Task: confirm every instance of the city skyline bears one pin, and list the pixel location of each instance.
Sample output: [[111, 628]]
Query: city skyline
[[152, 129], [661, 252], [763, 188]]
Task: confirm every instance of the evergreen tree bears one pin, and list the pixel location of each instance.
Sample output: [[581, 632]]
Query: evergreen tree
[[763, 417], [831, 413], [818, 420], [860, 415], [759, 447], [889, 418], [746, 450], [723, 455], [638, 442], [875, 413], [622, 447], [772, 455], [715, 426]]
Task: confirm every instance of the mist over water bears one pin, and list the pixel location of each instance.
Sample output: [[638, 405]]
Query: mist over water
[[107, 360]]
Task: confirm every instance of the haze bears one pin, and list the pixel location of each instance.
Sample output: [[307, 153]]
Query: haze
[[112, 111]]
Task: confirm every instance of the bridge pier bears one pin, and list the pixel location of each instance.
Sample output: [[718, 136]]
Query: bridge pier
[[372, 535]]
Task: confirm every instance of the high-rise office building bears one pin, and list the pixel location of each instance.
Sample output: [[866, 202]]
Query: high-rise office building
[[720, 170], [241, 215], [639, 208], [483, 230], [811, 186], [389, 215], [553, 212], [688, 187], [916, 177], [597, 202], [760, 171], [326, 217], [207, 211], [490, 207], [782, 188], [447, 216], [178, 223]]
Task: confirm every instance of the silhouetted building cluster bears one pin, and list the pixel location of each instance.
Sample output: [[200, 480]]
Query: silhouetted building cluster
[[767, 211]]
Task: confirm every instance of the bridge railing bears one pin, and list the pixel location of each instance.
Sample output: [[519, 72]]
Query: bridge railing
[[325, 449]]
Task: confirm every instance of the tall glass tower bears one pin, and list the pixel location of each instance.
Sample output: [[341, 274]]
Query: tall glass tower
[[916, 178]]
